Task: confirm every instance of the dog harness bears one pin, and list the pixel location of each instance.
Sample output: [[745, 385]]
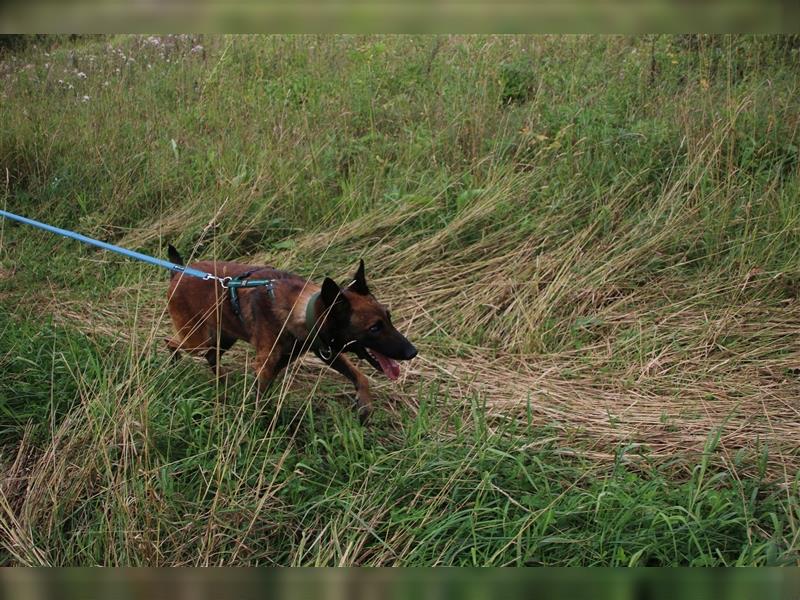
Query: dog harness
[[325, 351], [318, 345], [241, 281]]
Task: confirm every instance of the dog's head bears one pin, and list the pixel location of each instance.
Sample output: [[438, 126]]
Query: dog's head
[[359, 323]]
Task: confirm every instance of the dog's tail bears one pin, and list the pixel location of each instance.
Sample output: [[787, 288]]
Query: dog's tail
[[174, 255]]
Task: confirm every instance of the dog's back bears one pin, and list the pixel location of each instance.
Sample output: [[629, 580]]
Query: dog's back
[[201, 309]]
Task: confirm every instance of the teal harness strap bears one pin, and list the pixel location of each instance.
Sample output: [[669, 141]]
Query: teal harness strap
[[241, 282]]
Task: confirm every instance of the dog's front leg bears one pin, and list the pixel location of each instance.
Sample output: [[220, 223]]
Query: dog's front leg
[[363, 399], [269, 363]]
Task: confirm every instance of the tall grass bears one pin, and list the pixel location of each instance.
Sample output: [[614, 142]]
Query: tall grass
[[592, 240]]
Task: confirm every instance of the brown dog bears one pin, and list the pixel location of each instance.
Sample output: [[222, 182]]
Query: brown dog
[[284, 318]]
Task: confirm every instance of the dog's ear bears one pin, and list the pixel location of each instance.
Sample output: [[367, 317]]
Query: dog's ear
[[332, 296], [359, 282]]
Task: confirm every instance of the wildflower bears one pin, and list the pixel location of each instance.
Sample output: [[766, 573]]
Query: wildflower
[[81, 75], [196, 49], [85, 99]]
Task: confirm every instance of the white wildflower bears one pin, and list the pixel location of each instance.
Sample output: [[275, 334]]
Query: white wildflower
[[85, 99], [81, 75]]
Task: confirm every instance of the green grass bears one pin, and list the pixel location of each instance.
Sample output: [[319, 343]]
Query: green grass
[[592, 240]]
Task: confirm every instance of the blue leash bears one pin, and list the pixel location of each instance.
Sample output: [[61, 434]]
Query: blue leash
[[124, 251]]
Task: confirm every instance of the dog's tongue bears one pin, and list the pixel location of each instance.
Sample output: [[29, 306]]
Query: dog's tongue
[[390, 367]]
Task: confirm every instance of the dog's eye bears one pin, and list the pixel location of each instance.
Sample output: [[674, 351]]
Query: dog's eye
[[376, 327]]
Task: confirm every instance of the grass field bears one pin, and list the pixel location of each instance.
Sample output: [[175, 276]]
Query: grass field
[[593, 241]]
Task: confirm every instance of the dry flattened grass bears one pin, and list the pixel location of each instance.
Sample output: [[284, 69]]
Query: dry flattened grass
[[662, 361], [660, 364]]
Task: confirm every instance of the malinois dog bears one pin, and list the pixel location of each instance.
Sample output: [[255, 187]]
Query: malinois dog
[[284, 316]]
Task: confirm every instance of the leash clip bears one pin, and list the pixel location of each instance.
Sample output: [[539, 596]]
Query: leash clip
[[224, 282]]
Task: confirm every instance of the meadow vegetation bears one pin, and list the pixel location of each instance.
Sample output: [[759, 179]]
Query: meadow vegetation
[[593, 242]]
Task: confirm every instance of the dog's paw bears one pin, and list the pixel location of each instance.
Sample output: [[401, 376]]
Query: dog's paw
[[363, 411]]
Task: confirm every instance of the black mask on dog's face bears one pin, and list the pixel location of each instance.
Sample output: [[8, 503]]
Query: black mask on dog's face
[[355, 316]]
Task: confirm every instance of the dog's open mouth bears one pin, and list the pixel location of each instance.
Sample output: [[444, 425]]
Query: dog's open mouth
[[389, 366]]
